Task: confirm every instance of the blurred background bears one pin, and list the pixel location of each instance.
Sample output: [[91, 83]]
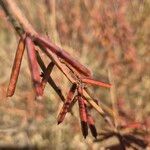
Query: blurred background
[[111, 38]]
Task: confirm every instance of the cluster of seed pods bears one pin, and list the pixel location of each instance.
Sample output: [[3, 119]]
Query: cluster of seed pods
[[82, 77]]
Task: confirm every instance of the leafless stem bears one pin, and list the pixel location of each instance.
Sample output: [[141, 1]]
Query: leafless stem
[[113, 98]]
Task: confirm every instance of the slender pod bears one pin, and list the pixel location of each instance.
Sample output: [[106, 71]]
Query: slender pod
[[82, 112], [90, 121], [66, 104], [92, 125], [95, 82], [72, 103], [33, 65], [64, 55], [16, 66]]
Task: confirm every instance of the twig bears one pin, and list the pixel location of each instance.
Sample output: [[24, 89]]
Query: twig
[[15, 11], [113, 98]]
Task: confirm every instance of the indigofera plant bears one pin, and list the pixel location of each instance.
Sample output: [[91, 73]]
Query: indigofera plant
[[79, 75]]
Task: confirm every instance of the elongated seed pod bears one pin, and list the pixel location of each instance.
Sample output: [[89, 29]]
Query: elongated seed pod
[[64, 55], [90, 121], [72, 103], [33, 65], [16, 67], [92, 125], [83, 113], [94, 82], [66, 105]]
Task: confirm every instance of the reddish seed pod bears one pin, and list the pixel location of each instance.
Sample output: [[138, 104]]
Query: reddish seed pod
[[92, 125], [66, 105], [16, 67], [64, 55], [94, 82], [46, 75], [72, 103], [33, 65], [82, 112], [90, 122], [84, 128]]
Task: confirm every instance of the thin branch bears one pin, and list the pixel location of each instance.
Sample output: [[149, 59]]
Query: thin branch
[[113, 98], [11, 18], [15, 11]]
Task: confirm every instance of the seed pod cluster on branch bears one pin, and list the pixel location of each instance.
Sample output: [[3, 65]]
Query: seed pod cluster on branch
[[79, 78], [79, 75]]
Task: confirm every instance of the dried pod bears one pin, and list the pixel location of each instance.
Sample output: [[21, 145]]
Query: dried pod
[[90, 121], [66, 105], [33, 64], [94, 82], [92, 125], [64, 55], [83, 112], [72, 103], [16, 66]]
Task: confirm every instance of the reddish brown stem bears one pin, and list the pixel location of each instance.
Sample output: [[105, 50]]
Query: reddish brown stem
[[16, 67], [66, 105], [94, 82], [35, 74], [64, 55]]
